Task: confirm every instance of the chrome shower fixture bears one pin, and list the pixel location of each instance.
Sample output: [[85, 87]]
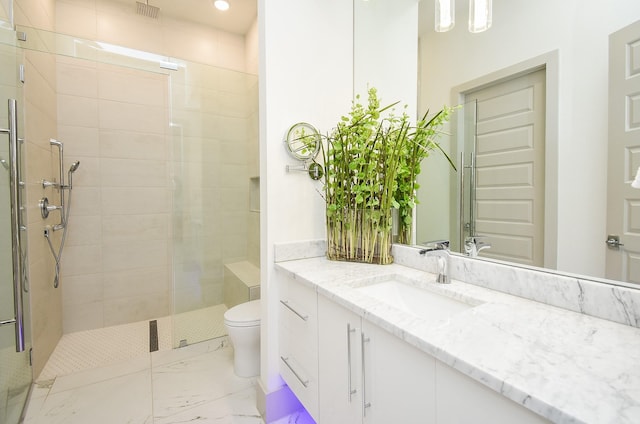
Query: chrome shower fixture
[[145, 10], [45, 207], [4, 163], [60, 185], [74, 167]]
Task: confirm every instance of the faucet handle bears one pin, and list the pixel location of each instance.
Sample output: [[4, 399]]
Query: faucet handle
[[436, 245], [473, 245]]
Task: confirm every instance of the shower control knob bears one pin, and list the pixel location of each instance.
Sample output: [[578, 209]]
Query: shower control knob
[[43, 204]]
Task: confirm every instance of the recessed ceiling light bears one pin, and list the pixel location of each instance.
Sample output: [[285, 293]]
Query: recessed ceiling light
[[221, 4]]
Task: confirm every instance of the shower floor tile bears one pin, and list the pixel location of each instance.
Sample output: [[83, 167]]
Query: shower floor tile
[[98, 348]]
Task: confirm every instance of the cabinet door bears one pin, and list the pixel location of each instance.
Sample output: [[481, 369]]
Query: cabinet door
[[298, 342], [340, 394], [461, 400], [399, 380]]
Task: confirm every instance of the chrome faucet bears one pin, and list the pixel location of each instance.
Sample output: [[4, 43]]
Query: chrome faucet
[[439, 249], [473, 245]]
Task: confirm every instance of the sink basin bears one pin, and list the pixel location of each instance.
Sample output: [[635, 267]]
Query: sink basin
[[419, 302]]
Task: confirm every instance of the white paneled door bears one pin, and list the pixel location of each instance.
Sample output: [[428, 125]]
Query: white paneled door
[[623, 201], [510, 168]]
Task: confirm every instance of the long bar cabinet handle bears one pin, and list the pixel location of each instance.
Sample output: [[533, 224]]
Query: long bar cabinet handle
[[289, 307], [365, 404], [350, 388], [304, 382]]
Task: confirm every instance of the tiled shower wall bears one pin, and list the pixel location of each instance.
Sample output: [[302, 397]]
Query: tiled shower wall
[[40, 116], [116, 264], [162, 189]]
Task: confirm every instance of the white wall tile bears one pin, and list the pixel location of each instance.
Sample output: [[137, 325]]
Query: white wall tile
[[77, 80], [132, 117], [135, 254], [119, 229], [123, 201], [77, 111], [79, 141], [83, 316], [133, 172], [133, 145]]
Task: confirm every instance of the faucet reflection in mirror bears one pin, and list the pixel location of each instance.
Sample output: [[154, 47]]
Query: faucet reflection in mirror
[[480, 15]]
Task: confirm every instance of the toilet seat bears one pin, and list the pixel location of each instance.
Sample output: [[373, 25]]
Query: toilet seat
[[243, 315]]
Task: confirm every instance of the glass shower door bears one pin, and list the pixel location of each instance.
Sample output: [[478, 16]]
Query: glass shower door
[[15, 369]]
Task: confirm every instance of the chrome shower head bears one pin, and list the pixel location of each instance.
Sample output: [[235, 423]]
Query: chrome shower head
[[147, 10], [74, 166]]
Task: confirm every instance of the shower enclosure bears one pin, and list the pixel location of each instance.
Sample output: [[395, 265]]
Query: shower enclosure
[[161, 203], [172, 151]]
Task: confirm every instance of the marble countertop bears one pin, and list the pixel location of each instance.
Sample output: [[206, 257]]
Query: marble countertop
[[565, 366]]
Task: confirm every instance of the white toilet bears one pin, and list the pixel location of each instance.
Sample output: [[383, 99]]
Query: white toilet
[[243, 326]]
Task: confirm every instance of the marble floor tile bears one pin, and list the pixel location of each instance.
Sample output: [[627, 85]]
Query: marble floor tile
[[194, 381], [238, 408], [96, 375], [163, 357], [301, 417], [123, 399]]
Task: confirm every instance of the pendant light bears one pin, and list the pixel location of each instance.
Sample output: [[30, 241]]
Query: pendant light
[[479, 15], [445, 15]]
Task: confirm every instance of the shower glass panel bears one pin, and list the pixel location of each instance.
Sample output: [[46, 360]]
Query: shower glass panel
[[215, 159], [15, 370], [181, 156]]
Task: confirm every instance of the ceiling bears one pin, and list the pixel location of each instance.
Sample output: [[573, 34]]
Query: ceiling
[[237, 19]]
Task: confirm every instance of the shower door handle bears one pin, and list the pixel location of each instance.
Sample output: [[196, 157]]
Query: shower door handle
[[16, 227]]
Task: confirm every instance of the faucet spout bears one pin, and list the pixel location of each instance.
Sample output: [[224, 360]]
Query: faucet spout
[[440, 250]]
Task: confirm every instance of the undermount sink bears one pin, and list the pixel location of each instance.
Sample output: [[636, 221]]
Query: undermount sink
[[422, 303]]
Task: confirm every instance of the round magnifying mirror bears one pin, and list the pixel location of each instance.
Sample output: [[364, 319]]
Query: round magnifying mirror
[[303, 141]]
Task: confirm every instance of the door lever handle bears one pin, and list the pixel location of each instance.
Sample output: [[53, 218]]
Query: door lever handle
[[613, 241]]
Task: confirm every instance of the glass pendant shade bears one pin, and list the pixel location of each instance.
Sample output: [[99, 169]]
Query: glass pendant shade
[[445, 15], [479, 15]]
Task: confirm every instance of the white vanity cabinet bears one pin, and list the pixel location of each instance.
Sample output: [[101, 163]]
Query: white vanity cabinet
[[367, 375], [298, 341], [346, 370]]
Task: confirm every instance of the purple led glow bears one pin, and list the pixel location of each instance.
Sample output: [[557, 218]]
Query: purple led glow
[[278, 407]]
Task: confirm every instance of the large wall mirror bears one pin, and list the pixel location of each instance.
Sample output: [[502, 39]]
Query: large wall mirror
[[564, 48]]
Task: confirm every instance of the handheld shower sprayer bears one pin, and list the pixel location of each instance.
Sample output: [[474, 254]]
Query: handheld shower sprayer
[[74, 167]]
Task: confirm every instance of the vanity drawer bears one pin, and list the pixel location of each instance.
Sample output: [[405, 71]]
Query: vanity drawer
[[298, 341]]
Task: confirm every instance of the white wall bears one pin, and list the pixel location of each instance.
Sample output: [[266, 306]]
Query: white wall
[[386, 51], [523, 29], [305, 75]]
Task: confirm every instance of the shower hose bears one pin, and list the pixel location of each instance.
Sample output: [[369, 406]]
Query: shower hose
[[58, 256]]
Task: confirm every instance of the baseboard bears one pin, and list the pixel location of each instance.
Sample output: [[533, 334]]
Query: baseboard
[[279, 403]]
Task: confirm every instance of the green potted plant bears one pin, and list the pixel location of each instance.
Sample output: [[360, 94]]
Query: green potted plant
[[371, 161]]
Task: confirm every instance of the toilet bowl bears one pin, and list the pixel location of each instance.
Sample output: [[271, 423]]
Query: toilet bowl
[[243, 326]]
